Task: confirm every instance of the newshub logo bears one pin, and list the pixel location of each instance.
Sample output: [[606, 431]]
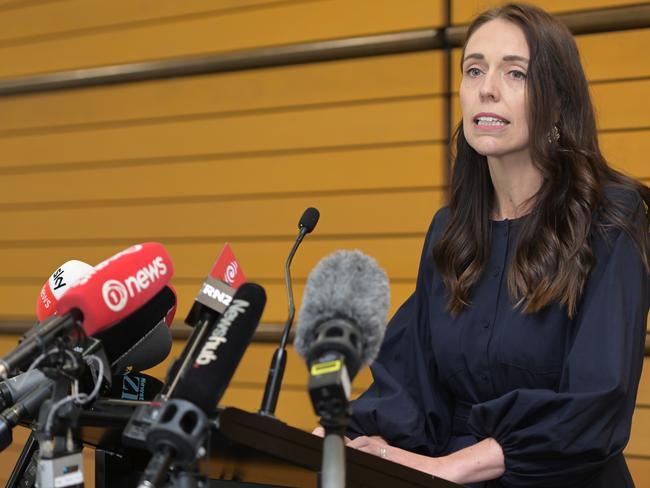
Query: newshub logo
[[219, 334]]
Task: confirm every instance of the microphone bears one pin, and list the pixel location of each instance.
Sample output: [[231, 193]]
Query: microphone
[[181, 424], [306, 225], [139, 342], [214, 296], [208, 306], [22, 410], [341, 324], [341, 327], [15, 389], [218, 357], [110, 292], [132, 345], [219, 287], [143, 339], [58, 283]]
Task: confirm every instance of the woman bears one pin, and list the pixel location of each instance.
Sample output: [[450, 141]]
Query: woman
[[516, 361]]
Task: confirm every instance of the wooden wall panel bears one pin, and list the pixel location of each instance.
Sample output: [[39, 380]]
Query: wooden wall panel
[[328, 126], [266, 25], [37, 19], [364, 168], [236, 157], [643, 395], [463, 11], [225, 94], [341, 214], [627, 151], [639, 444], [640, 469], [614, 55], [620, 105]]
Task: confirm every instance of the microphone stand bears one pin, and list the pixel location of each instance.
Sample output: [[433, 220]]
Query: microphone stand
[[279, 360], [329, 391], [306, 225], [333, 460], [60, 456]]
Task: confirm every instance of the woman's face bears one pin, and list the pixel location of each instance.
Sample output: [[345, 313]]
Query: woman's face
[[493, 90]]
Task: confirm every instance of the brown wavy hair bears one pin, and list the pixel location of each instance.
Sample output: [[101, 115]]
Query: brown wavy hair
[[553, 257]]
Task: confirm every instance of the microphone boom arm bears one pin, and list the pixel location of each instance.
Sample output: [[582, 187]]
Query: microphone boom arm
[[279, 360]]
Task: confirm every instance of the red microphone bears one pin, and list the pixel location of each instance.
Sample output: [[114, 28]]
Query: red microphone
[[109, 293], [118, 286]]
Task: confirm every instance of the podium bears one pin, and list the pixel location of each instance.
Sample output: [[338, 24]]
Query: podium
[[246, 450]]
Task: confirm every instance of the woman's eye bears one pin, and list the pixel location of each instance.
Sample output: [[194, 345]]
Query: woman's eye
[[518, 75], [473, 72]]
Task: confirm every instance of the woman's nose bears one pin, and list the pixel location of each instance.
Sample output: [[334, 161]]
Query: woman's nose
[[489, 89]]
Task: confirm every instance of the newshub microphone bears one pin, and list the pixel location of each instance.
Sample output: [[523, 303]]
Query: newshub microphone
[[218, 356], [181, 425], [214, 295], [110, 292]]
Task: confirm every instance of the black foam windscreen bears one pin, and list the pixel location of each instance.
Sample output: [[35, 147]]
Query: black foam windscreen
[[143, 339], [147, 352], [218, 356]]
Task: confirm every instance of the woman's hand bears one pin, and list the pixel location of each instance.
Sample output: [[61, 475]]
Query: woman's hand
[[479, 462], [379, 447]]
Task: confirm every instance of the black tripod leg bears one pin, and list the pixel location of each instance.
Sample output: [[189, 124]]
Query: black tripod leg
[[20, 469]]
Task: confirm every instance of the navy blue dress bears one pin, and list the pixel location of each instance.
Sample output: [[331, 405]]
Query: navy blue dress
[[557, 394]]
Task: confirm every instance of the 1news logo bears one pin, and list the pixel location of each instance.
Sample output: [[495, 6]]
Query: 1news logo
[[116, 293]]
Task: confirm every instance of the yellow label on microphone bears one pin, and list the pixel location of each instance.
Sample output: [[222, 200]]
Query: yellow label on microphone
[[327, 367]]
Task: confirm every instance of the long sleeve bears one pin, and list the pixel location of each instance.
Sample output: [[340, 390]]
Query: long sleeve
[[406, 405], [561, 438]]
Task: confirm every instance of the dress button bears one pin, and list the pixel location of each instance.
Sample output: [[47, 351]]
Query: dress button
[[486, 324], [484, 377], [496, 271]]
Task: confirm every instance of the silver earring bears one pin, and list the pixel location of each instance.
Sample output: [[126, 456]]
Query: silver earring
[[554, 134]]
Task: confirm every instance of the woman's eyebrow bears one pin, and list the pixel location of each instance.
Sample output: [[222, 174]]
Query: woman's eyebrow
[[509, 57], [514, 57], [473, 56]]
